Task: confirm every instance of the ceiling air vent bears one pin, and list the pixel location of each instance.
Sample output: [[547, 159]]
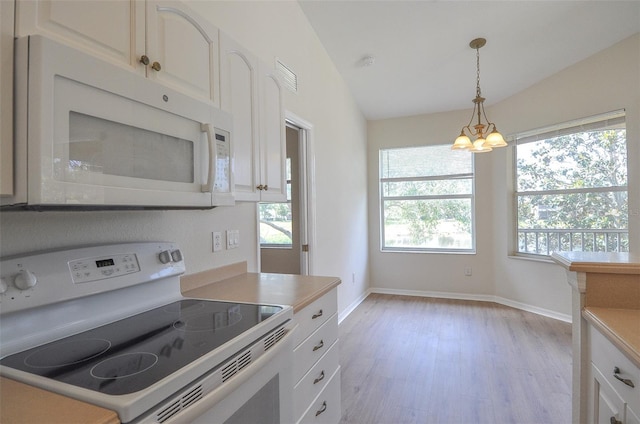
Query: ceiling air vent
[[289, 78]]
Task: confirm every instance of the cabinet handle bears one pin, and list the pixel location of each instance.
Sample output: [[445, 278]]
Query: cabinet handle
[[156, 66], [318, 315], [614, 421], [260, 187], [144, 59], [324, 408], [266, 187], [320, 378], [318, 346], [626, 381]]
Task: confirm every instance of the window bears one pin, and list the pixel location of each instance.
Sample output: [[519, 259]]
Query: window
[[276, 219], [426, 199], [571, 187]]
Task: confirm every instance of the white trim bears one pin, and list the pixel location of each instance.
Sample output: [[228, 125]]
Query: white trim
[[307, 127], [347, 311], [477, 297]]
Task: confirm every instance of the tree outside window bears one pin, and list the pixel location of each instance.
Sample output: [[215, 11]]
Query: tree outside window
[[571, 188]]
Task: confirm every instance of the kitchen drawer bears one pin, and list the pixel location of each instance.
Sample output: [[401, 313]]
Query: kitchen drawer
[[606, 357], [326, 408], [315, 380], [312, 349], [310, 318]]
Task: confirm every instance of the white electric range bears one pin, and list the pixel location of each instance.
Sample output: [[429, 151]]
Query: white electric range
[[108, 325]]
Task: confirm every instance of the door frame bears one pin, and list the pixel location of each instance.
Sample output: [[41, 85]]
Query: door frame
[[307, 190]]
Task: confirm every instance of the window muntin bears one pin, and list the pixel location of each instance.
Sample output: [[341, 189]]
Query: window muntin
[[571, 188], [426, 199]]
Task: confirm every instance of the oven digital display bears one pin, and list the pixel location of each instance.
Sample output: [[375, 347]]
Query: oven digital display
[[105, 262]]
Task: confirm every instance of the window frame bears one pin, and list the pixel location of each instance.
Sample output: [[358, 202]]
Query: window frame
[[441, 177], [582, 125]]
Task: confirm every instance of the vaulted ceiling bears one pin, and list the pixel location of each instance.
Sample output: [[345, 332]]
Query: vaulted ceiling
[[422, 62]]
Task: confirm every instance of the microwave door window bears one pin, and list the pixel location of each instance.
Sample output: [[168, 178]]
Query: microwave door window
[[102, 147]]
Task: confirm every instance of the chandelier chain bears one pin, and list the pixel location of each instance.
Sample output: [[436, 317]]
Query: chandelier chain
[[478, 73]]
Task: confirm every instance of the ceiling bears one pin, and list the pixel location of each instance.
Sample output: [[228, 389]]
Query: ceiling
[[422, 59]]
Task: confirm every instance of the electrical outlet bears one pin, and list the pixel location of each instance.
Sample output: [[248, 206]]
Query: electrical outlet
[[468, 271], [217, 241]]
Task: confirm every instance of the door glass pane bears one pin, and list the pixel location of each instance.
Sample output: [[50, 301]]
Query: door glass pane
[[105, 147]]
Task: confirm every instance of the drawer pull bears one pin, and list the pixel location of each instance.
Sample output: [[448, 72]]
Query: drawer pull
[[318, 315], [322, 408], [318, 346], [626, 381], [615, 421], [320, 378]]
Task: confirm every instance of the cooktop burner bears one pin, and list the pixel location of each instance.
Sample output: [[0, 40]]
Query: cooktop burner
[[131, 354]]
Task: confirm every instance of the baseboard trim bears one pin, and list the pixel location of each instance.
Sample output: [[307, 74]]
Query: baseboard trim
[[342, 315], [477, 297]]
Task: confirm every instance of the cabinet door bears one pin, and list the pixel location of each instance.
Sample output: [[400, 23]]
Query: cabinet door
[[239, 95], [112, 30], [6, 98], [272, 137], [608, 407], [631, 417], [185, 48]]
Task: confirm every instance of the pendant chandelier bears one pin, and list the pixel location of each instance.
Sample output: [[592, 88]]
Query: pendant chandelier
[[486, 135]]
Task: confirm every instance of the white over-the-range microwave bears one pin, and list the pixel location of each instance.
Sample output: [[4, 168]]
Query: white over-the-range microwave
[[92, 135]]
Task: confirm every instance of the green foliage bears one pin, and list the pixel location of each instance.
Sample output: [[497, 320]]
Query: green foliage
[[590, 168]]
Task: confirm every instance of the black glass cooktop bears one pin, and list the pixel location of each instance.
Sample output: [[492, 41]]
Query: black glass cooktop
[[131, 354]]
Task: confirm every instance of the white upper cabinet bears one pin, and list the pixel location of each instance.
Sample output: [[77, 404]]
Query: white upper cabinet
[[185, 48], [272, 137], [252, 93], [113, 30], [6, 98], [163, 40]]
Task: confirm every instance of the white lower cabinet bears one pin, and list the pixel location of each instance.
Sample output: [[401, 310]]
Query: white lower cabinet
[[614, 392], [316, 365]]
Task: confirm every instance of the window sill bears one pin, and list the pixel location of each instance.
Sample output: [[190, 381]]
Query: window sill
[[547, 260]]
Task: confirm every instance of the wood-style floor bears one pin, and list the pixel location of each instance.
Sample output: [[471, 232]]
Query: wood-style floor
[[424, 360]]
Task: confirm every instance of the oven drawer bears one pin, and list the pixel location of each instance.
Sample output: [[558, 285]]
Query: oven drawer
[[326, 408], [312, 349], [314, 315], [606, 357], [315, 380]]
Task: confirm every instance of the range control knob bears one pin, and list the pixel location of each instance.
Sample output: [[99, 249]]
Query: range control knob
[[3, 285], [164, 256], [25, 279], [176, 255]]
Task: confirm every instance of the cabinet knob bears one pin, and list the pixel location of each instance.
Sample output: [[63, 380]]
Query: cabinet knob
[[266, 187], [144, 59], [615, 421], [156, 66], [260, 187]]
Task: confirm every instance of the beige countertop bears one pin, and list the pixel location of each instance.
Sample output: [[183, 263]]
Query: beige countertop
[[24, 404], [620, 326], [599, 262], [233, 283], [611, 295]]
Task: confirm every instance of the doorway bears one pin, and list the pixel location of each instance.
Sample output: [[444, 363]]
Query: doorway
[[283, 227]]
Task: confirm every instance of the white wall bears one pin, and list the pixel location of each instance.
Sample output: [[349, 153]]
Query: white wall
[[606, 81], [268, 29]]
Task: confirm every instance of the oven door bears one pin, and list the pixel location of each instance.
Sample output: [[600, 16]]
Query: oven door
[[261, 393]]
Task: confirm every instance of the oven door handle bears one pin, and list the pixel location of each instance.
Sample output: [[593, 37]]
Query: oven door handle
[[215, 396]]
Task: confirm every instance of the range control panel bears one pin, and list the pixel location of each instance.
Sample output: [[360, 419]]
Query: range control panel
[[85, 270], [48, 277]]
